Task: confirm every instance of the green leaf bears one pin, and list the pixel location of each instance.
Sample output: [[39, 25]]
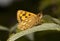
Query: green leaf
[[44, 26], [3, 28]]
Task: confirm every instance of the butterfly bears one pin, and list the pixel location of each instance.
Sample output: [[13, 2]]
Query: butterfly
[[27, 19]]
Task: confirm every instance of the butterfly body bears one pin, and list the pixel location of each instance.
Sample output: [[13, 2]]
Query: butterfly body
[[27, 19]]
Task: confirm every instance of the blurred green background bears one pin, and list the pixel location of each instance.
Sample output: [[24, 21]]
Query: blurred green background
[[8, 15]]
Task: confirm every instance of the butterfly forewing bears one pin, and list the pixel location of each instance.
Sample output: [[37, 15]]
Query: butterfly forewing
[[26, 19]]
